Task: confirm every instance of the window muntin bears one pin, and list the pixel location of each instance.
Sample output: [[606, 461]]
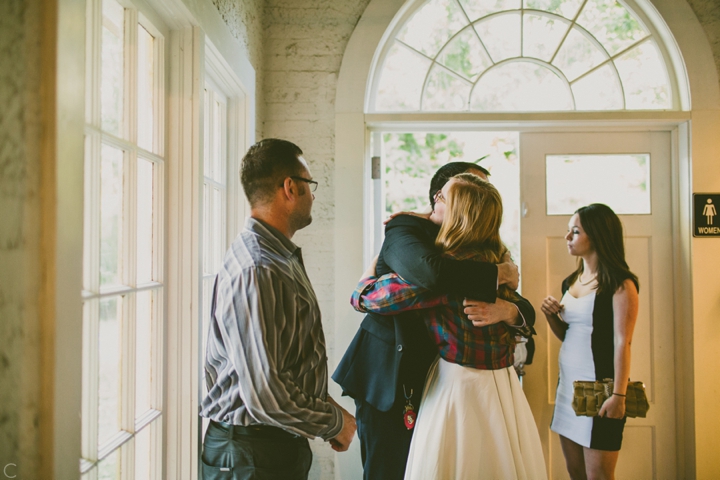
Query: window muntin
[[592, 54], [123, 248], [621, 181]]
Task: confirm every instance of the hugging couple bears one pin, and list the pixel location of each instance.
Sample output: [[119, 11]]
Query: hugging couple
[[431, 367]]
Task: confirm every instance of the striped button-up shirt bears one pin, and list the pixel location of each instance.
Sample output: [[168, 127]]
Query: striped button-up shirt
[[265, 360], [457, 339]]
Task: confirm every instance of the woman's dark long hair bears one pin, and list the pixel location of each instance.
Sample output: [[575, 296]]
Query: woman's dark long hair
[[605, 231]]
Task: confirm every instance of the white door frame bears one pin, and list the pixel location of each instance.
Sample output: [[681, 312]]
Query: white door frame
[[693, 150]]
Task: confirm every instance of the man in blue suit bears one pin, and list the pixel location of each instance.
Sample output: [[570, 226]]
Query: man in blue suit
[[384, 367]]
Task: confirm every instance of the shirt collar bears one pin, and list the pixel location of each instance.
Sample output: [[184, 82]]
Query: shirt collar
[[272, 235]]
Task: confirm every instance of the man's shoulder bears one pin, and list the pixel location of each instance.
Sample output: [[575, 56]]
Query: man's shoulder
[[250, 251], [412, 220], [410, 223]]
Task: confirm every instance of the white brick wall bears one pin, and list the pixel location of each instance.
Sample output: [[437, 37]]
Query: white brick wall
[[244, 20], [21, 266]]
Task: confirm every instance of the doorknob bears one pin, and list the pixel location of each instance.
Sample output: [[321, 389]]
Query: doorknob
[[523, 209]]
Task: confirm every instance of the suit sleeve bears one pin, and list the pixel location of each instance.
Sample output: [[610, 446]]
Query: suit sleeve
[[409, 251]]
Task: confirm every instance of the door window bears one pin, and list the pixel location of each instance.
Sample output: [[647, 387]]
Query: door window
[[621, 182]]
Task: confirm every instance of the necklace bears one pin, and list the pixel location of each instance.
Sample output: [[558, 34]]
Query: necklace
[[588, 282]]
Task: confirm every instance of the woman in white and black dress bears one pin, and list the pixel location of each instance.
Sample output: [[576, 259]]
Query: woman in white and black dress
[[595, 320]]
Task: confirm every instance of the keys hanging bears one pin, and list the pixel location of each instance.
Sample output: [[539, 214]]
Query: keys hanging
[[409, 416]]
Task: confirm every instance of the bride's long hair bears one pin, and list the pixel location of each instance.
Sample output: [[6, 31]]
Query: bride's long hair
[[473, 215]]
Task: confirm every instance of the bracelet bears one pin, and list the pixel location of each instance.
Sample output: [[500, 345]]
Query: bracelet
[[619, 394]]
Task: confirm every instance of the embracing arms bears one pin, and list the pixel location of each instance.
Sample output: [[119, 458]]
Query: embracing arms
[[409, 250], [391, 294]]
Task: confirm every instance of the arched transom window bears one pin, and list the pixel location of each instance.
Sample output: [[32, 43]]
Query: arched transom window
[[521, 55]]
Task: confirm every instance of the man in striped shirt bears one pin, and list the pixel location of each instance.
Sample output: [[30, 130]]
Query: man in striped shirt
[[266, 365]]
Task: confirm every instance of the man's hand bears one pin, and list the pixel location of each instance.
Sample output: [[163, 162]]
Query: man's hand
[[483, 314], [341, 442], [508, 273]]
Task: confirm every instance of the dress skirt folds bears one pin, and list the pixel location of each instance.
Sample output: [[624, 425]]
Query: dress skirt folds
[[475, 424]]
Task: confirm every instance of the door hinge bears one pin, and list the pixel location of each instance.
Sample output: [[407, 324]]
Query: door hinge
[[375, 173]]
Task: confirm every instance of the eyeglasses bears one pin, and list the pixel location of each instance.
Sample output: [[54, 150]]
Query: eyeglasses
[[312, 184], [439, 197]]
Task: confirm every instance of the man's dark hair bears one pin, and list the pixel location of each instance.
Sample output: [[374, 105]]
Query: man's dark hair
[[447, 171], [264, 167]]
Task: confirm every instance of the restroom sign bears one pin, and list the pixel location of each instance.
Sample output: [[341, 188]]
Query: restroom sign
[[706, 218]]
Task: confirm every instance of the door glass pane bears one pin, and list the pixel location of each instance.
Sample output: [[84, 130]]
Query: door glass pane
[[146, 82], [208, 229], [113, 35], [567, 8], [465, 55], [142, 453], [109, 338], [411, 159], [145, 209], [599, 90], [109, 467], [622, 182], [219, 230], [578, 55], [644, 78], [401, 81], [144, 351], [611, 24], [521, 86], [432, 26], [479, 8], [501, 35], [445, 91], [542, 35], [218, 148], [208, 283], [111, 210], [207, 142]]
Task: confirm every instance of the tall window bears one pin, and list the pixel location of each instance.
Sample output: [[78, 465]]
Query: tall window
[[521, 55], [215, 193], [123, 250]]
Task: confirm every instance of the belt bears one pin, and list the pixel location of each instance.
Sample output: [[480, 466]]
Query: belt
[[258, 431]]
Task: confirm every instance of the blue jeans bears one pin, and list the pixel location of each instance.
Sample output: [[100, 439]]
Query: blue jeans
[[261, 452]]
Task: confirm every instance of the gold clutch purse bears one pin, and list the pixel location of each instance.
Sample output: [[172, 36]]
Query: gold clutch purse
[[588, 397]]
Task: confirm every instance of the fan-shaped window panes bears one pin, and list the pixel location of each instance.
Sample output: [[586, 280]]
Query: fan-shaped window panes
[[521, 55]]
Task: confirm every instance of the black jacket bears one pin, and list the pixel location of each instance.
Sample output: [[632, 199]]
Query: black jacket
[[391, 351]]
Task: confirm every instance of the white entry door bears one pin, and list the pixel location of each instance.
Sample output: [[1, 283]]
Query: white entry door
[[631, 173]]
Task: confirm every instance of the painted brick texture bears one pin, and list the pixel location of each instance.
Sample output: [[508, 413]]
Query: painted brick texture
[[244, 20], [21, 272], [708, 12]]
